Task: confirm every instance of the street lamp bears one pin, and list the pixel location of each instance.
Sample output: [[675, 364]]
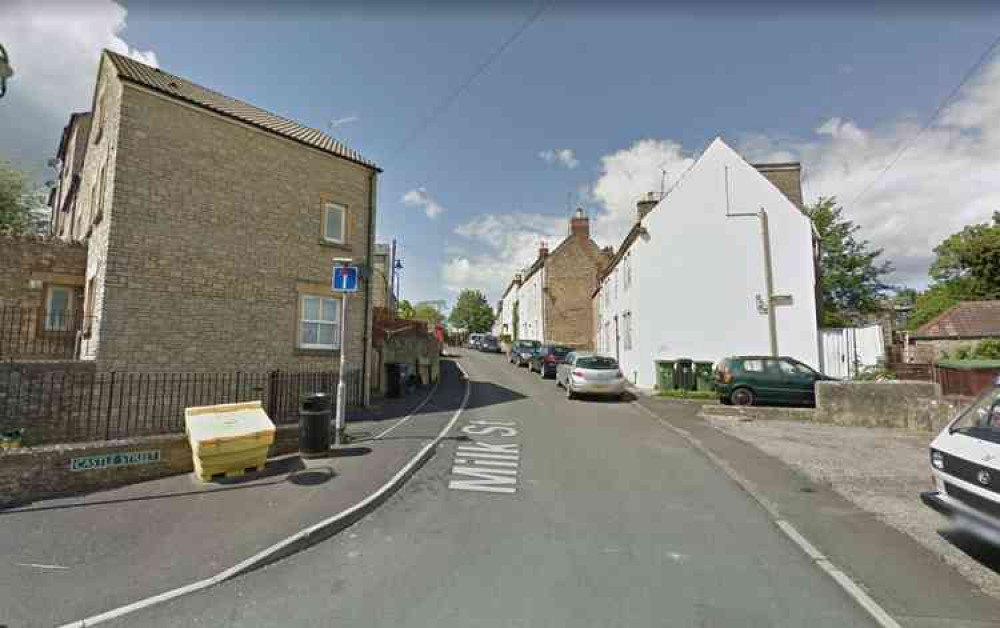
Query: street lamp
[[6, 71]]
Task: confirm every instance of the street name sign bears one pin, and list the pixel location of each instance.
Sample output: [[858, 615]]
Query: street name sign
[[120, 459]]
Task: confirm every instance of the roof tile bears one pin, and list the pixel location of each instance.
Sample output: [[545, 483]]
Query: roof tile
[[177, 87], [970, 319]]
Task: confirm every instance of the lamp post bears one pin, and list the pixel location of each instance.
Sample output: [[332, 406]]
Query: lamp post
[[345, 281], [765, 233], [6, 71]]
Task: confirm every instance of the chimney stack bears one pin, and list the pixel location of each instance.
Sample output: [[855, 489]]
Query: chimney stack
[[647, 203], [579, 224], [543, 250]]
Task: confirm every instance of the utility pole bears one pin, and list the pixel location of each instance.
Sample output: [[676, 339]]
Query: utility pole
[[772, 323], [765, 234]]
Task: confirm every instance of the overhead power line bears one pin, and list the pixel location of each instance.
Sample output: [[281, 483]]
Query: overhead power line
[[937, 112], [482, 67]]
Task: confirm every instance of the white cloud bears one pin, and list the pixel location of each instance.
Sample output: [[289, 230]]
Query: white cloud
[[418, 197], [508, 243], [54, 49], [563, 156], [945, 180], [628, 174]]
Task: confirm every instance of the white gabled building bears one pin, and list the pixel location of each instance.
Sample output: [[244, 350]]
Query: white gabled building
[[686, 280]]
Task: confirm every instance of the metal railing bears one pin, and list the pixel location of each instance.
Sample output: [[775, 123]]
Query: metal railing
[[31, 333], [77, 404]]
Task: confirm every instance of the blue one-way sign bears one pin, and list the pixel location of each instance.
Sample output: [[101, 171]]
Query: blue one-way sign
[[345, 278]]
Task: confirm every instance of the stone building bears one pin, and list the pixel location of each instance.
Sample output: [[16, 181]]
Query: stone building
[[211, 227], [550, 301]]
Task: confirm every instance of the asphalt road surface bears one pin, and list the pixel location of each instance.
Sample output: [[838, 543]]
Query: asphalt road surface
[[539, 511]]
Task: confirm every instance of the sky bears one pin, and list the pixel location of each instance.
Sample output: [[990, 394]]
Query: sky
[[491, 126]]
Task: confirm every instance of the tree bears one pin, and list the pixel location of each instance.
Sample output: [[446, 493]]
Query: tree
[[472, 312], [966, 266], [406, 310], [970, 260], [22, 205], [427, 313], [851, 271]]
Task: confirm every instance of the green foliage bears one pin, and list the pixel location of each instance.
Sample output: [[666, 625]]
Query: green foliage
[[983, 350], [875, 374], [966, 267], [851, 271], [472, 312], [689, 394], [22, 206], [406, 310], [427, 313], [971, 258]]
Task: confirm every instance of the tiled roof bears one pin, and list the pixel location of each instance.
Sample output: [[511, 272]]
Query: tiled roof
[[970, 319], [131, 70]]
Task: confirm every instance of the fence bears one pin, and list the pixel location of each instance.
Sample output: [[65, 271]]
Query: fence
[[75, 405], [847, 351], [968, 379], [30, 333]]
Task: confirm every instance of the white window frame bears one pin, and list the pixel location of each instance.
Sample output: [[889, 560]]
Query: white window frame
[[51, 325], [327, 208], [336, 323]]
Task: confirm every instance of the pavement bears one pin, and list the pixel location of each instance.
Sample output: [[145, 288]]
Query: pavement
[[840, 457], [592, 514], [68, 559]]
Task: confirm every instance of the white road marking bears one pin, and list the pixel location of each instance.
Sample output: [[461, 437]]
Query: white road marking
[[39, 566], [483, 466], [410, 415], [277, 547], [852, 589]]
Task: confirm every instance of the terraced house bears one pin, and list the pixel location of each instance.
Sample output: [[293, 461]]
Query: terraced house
[[210, 226], [550, 300]]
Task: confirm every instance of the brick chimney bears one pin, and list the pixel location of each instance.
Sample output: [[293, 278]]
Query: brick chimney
[[579, 224], [647, 203], [543, 250], [787, 177]]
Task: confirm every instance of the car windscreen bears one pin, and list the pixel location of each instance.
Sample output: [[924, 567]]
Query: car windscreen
[[560, 352], [527, 344], [982, 418], [597, 363]]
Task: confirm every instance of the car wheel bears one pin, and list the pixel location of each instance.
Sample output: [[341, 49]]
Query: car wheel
[[742, 397]]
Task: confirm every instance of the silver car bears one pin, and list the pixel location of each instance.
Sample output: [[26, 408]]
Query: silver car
[[590, 374]]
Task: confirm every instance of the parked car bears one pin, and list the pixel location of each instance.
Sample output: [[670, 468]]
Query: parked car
[[474, 340], [590, 374], [753, 380], [965, 465], [489, 344], [521, 352], [547, 358]]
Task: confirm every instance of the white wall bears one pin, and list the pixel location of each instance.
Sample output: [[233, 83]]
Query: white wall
[[696, 272], [530, 319]]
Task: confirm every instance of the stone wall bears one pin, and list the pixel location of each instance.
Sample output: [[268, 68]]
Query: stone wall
[[571, 278], [901, 404], [213, 235], [44, 472]]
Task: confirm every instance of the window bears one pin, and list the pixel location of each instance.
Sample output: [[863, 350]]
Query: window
[[334, 223], [320, 323], [753, 366], [58, 307]]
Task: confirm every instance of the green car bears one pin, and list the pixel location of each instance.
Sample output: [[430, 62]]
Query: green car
[[761, 380]]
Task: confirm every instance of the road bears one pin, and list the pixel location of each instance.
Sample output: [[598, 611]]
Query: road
[[604, 519]]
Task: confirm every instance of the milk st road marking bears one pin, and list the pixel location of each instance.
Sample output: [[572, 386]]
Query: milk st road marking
[[484, 465]]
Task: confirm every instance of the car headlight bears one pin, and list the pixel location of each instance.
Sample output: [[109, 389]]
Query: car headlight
[[937, 459]]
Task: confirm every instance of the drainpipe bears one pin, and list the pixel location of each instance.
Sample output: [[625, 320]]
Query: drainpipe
[[365, 375]]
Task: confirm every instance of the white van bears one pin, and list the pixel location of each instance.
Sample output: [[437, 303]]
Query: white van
[[965, 463]]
